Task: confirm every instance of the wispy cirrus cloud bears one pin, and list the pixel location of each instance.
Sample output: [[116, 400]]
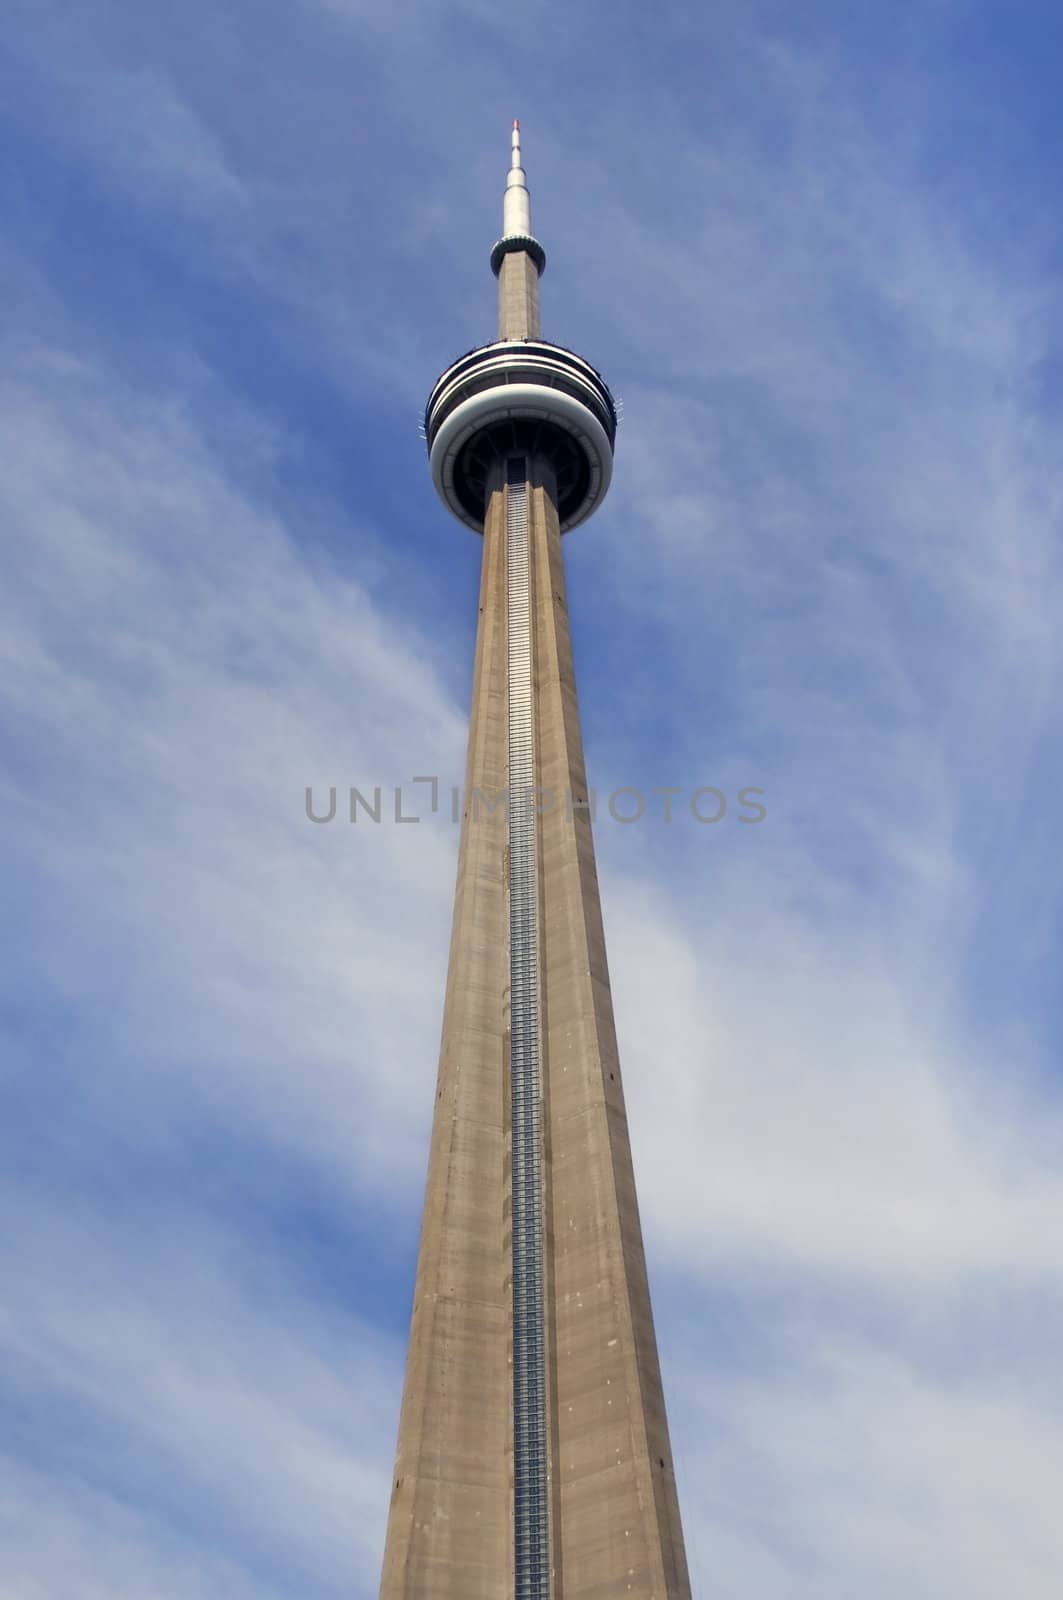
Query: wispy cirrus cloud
[[174, 1453], [169, 702]]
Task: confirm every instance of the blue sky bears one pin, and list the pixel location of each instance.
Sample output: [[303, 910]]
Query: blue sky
[[817, 252]]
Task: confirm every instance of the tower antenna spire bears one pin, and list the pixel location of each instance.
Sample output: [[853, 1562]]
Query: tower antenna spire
[[516, 207], [518, 259]]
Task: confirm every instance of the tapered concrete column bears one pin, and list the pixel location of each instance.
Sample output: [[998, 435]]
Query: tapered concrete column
[[614, 1515], [518, 297]]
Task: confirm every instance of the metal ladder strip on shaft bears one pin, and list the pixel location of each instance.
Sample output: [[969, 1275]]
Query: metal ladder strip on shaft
[[530, 1522]]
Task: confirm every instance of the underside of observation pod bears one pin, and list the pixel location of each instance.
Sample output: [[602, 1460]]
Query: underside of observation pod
[[524, 396]]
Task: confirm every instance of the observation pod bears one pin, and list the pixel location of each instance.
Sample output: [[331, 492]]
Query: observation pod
[[525, 397]]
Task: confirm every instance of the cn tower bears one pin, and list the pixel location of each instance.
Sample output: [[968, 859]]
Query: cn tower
[[533, 1459]]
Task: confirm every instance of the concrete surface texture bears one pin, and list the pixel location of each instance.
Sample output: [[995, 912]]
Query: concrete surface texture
[[614, 1523]]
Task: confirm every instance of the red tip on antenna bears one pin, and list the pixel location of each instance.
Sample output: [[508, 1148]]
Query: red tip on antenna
[[516, 124]]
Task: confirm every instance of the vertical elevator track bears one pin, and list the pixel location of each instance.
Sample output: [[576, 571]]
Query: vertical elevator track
[[530, 1523]]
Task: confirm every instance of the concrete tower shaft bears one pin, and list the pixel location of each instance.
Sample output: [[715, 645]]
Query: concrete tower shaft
[[533, 1459]]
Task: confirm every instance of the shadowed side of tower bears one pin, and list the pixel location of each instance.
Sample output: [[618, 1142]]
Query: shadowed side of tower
[[533, 1457]]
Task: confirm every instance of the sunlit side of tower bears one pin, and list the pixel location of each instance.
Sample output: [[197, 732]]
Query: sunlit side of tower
[[533, 1458]]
